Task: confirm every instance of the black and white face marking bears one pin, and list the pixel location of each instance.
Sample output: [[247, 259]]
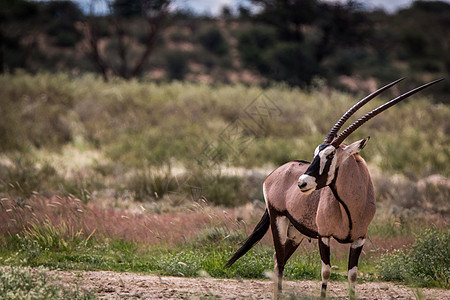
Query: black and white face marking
[[321, 171]]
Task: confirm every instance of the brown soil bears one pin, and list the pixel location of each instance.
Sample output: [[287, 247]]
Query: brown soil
[[112, 285]]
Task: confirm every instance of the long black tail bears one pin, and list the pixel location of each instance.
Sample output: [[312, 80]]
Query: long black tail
[[257, 234]]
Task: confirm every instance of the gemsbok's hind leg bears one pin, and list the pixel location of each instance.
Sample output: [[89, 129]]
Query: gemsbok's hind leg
[[324, 249], [279, 225], [285, 243], [355, 252]]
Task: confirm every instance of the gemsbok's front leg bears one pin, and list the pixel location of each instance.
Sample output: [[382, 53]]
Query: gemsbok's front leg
[[324, 249], [355, 252], [279, 225]]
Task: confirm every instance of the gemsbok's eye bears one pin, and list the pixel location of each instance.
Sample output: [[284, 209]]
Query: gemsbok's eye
[[330, 156]]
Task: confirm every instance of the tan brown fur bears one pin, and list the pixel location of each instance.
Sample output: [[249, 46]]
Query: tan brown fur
[[320, 211], [333, 196], [320, 214]]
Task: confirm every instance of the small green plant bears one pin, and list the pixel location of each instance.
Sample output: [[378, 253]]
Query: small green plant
[[217, 236], [426, 264], [51, 237], [25, 283]]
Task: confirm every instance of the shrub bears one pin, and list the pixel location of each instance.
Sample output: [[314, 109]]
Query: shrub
[[213, 40], [22, 177], [177, 64], [427, 263], [292, 63], [65, 38], [221, 189], [252, 43], [152, 185]]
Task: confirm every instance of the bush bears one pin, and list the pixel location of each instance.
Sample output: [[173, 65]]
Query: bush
[[213, 40], [292, 63], [22, 178], [252, 43], [427, 263], [177, 65], [221, 189], [152, 185], [66, 39]]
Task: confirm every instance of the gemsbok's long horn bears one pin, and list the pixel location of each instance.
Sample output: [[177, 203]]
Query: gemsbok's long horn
[[344, 134], [333, 132]]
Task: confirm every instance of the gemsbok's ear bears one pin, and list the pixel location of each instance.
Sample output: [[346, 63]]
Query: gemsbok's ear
[[356, 146]]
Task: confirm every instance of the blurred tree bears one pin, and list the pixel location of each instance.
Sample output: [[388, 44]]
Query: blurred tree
[[226, 12], [244, 12], [343, 26], [292, 63], [253, 43], [123, 14], [213, 40], [309, 34], [126, 8], [423, 30], [18, 33], [61, 19], [288, 16], [176, 64]]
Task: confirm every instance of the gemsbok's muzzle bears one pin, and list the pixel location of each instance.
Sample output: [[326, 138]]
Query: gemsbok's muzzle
[[307, 184]]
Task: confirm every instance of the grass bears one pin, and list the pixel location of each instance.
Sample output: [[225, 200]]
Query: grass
[[28, 283], [35, 248], [56, 247], [426, 263], [68, 242]]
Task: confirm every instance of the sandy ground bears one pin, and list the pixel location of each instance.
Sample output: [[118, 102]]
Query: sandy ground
[[112, 285]]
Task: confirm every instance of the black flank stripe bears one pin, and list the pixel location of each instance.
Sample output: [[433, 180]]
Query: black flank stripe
[[347, 211], [303, 229], [302, 161]]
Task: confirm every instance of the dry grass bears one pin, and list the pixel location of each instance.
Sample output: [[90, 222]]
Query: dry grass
[[91, 220]]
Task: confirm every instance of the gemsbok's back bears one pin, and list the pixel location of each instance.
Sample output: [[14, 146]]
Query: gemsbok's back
[[333, 196]]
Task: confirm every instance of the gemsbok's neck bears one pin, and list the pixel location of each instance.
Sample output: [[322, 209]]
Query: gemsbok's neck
[[353, 188]]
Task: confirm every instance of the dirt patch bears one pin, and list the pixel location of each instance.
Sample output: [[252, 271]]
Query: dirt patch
[[112, 285]]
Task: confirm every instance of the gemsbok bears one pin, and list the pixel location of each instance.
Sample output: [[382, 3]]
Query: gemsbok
[[330, 197]]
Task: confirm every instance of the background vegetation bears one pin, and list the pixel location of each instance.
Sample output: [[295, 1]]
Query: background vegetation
[[74, 148], [102, 166], [346, 44]]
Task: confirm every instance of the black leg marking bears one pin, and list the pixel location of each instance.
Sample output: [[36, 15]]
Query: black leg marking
[[289, 249], [324, 250], [354, 257], [323, 290], [355, 252]]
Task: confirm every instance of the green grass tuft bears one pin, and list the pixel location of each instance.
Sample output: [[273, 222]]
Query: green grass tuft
[[427, 263], [25, 283]]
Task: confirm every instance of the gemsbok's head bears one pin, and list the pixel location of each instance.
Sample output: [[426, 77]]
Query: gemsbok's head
[[329, 155]]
